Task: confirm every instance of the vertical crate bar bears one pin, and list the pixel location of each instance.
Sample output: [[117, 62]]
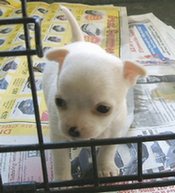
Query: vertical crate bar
[[94, 164], [35, 101], [1, 185], [139, 157]]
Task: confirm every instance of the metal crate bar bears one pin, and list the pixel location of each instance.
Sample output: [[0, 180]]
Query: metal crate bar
[[94, 163], [97, 181], [85, 143], [27, 20], [34, 97], [22, 188], [88, 185], [139, 164]]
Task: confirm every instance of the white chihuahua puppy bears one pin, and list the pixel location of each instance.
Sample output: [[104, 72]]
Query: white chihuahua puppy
[[85, 90]]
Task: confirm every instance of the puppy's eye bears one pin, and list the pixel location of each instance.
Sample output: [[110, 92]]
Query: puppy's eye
[[60, 102], [103, 109]]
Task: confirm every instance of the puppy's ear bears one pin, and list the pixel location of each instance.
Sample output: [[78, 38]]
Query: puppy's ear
[[57, 55], [132, 71]]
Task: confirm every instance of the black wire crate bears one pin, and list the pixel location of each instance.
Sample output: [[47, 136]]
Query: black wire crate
[[136, 180]]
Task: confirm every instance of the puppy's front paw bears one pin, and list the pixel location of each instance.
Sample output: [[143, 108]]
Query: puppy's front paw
[[107, 169], [62, 177]]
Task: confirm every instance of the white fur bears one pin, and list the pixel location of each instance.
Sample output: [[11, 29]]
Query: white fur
[[87, 76]]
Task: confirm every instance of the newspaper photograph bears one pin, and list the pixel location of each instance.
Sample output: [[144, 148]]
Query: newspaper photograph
[[154, 101]]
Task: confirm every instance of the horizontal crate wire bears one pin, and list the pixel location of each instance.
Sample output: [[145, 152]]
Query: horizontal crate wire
[[84, 185]]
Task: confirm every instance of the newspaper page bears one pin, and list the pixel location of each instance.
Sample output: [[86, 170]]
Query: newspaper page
[[154, 94], [150, 40], [151, 44]]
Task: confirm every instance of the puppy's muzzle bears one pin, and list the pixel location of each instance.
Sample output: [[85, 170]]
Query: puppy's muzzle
[[74, 132]]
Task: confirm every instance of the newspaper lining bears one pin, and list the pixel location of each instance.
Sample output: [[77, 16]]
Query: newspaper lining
[[151, 43]]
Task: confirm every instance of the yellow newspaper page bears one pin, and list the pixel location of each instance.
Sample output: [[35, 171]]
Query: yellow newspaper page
[[100, 25]]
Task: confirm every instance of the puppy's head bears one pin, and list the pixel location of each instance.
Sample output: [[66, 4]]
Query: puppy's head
[[91, 91]]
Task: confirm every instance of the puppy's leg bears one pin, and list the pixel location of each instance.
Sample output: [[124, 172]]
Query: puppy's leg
[[61, 161], [62, 166], [105, 161]]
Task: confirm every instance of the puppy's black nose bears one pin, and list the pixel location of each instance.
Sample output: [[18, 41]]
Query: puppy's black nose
[[73, 132]]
